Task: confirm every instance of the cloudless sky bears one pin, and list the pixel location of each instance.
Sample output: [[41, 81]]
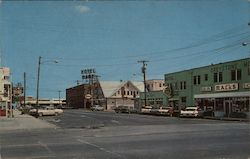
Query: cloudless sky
[[111, 36]]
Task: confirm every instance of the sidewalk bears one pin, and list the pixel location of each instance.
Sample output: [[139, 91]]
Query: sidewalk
[[23, 122], [226, 119]]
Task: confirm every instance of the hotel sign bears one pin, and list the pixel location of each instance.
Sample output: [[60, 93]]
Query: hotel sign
[[226, 87]]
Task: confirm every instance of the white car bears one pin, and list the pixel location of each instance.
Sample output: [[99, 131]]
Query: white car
[[146, 110], [165, 111], [46, 111], [191, 112], [97, 108]]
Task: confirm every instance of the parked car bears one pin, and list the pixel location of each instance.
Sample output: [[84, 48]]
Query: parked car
[[45, 111], [97, 108], [146, 110], [165, 111], [122, 109], [191, 112], [161, 111]]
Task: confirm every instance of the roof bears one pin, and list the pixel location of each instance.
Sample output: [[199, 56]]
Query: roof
[[110, 87], [222, 63]]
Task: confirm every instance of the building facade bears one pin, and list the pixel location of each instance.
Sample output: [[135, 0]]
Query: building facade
[[222, 88], [30, 101], [155, 84], [84, 95], [109, 94], [5, 91], [155, 96], [118, 93]]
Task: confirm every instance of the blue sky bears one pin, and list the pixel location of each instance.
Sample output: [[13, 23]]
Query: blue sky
[[111, 36]]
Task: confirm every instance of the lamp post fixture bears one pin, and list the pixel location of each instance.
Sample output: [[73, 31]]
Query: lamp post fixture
[[38, 80], [245, 43]]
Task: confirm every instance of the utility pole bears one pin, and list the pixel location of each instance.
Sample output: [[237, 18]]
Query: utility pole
[[143, 69], [37, 86], [24, 89], [60, 98]]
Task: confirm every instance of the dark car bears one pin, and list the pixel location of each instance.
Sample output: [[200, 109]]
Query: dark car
[[122, 109]]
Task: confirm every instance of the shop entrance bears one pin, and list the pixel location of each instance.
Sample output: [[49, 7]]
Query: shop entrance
[[227, 107]]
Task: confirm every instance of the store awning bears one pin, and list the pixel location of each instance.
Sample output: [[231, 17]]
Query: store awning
[[223, 95]]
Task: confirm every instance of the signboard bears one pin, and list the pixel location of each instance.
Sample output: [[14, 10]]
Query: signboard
[[206, 89], [88, 96], [226, 87], [167, 90], [246, 85]]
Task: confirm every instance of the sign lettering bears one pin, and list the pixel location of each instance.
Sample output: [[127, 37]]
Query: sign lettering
[[226, 87]]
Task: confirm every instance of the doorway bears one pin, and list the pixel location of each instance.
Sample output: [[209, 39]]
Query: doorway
[[227, 107]]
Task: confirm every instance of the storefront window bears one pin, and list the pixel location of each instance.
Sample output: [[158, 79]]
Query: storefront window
[[219, 104], [205, 104]]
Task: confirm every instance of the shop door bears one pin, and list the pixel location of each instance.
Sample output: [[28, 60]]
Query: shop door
[[227, 107]]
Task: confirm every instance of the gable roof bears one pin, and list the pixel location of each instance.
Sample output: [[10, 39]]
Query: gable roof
[[110, 87]]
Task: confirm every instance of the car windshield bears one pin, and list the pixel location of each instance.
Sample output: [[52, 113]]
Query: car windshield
[[123, 79]]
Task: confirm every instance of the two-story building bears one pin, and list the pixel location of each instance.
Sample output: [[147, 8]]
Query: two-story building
[[109, 94], [222, 88], [5, 91], [154, 95]]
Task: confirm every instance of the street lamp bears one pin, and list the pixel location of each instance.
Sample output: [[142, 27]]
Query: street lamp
[[38, 80], [245, 43]]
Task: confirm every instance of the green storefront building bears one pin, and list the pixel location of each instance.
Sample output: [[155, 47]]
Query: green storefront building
[[221, 88]]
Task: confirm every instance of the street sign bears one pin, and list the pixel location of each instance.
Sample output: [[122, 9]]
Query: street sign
[[88, 96]]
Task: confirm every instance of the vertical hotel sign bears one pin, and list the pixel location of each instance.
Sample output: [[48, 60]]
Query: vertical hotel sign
[[226, 87]]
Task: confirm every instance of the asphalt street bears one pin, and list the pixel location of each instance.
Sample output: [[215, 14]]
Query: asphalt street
[[105, 135]]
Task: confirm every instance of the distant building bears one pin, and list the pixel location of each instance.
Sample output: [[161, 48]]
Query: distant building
[[84, 95], [222, 88], [120, 93], [155, 84], [5, 89], [155, 96], [109, 94], [29, 101]]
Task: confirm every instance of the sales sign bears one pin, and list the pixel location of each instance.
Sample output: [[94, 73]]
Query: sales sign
[[227, 87]]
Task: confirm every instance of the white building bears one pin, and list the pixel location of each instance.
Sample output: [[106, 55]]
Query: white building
[[55, 102], [119, 93], [155, 84], [5, 90]]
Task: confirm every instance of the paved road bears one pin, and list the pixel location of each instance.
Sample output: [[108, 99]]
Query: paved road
[[107, 135], [85, 119]]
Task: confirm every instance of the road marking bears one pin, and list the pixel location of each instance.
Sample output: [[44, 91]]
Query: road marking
[[46, 147], [115, 121], [101, 148]]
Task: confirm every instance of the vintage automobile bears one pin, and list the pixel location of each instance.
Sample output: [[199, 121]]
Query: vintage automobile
[[45, 111], [165, 111], [191, 112], [146, 110], [97, 108], [162, 111], [122, 109]]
